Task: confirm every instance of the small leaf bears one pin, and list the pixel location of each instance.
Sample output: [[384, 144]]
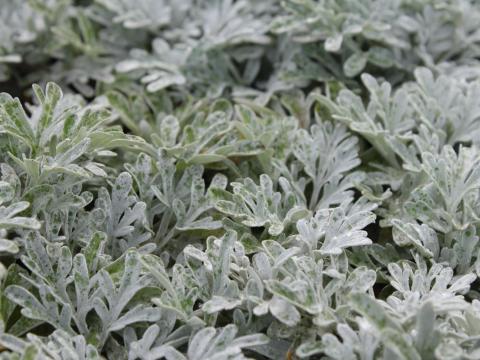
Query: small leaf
[[355, 64]]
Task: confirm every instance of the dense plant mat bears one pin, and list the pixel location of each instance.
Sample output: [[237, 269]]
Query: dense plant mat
[[232, 179]]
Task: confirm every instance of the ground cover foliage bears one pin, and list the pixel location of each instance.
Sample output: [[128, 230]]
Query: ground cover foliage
[[232, 179]]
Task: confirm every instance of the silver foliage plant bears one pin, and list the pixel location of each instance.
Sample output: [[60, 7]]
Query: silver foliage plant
[[239, 179]]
